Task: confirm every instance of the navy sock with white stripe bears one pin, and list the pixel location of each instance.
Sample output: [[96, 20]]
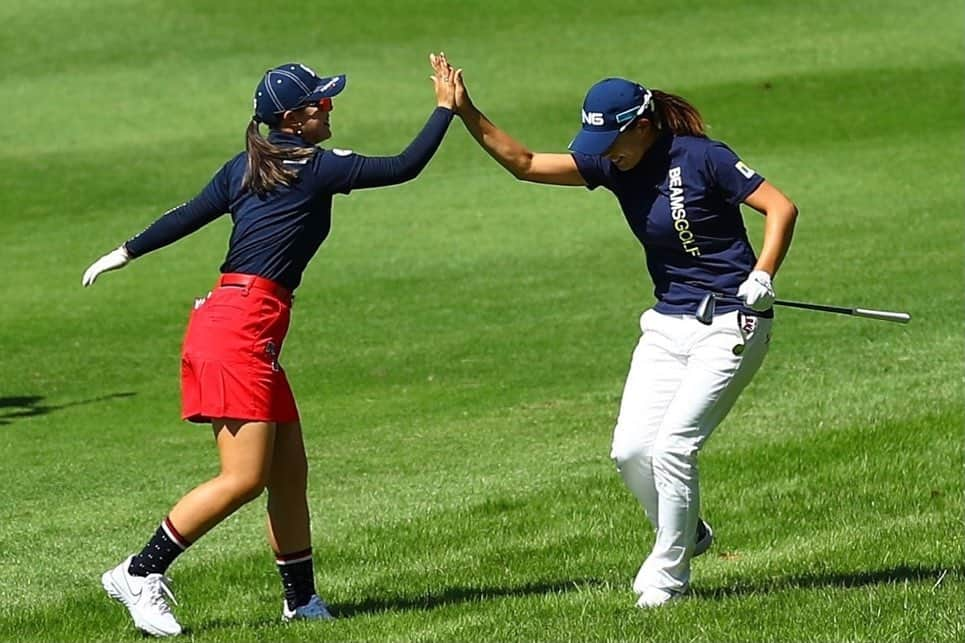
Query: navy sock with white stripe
[[297, 576], [158, 554]]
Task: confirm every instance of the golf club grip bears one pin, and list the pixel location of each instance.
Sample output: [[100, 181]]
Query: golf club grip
[[883, 315]]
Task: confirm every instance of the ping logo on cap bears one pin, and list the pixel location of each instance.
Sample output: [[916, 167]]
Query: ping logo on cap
[[592, 118], [610, 107]]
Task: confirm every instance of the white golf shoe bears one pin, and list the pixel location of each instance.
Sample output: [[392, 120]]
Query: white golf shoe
[[314, 610], [655, 597], [144, 597], [705, 537]]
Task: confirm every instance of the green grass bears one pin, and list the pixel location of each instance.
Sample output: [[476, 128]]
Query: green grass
[[459, 344]]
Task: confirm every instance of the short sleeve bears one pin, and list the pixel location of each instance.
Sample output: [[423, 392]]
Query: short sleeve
[[595, 170], [336, 170], [731, 175]]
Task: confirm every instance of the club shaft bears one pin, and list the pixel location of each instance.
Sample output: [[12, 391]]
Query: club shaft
[[828, 309], [883, 315]]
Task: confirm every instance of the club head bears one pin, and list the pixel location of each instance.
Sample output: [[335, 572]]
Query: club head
[[705, 311]]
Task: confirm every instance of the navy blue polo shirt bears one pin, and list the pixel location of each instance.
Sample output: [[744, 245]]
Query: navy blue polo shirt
[[276, 235], [682, 201]]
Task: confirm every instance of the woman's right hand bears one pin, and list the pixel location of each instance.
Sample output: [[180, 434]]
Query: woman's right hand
[[111, 261], [443, 78], [462, 100]]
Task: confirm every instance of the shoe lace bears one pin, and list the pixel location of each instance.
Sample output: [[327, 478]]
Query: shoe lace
[[157, 588]]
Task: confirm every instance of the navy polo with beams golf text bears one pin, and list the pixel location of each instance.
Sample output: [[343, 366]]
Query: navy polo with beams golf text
[[682, 201]]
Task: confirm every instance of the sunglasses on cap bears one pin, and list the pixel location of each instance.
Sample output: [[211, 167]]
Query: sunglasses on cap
[[627, 117], [324, 104]]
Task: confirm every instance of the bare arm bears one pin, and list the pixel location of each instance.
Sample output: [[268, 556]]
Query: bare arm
[[780, 214], [554, 169]]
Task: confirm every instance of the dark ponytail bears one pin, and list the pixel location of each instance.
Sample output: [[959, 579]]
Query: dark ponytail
[[677, 114], [266, 162]]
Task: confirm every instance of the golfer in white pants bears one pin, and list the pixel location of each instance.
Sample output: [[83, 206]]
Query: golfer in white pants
[[684, 378], [680, 193]]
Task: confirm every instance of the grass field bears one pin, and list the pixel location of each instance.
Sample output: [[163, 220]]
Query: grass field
[[459, 344]]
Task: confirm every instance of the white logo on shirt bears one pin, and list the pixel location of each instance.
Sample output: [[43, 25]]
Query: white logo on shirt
[[679, 214], [743, 169]]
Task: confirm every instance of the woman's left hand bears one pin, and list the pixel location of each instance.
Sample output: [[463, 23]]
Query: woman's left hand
[[757, 291]]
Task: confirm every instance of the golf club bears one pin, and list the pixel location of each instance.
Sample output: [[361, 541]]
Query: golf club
[[705, 311]]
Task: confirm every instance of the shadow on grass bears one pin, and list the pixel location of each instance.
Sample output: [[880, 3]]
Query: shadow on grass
[[254, 624], [457, 595], [24, 406], [894, 575], [443, 598]]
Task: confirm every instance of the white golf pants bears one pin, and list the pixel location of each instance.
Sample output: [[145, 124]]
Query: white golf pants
[[684, 377]]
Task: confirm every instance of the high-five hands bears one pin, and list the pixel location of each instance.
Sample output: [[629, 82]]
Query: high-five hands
[[461, 96], [443, 78]]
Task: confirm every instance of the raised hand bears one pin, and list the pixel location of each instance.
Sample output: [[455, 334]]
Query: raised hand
[[462, 100], [442, 77]]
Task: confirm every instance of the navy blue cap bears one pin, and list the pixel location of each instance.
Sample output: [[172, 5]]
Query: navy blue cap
[[609, 108], [291, 86]]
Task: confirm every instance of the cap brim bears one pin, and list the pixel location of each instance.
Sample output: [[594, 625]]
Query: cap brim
[[328, 87], [593, 142]]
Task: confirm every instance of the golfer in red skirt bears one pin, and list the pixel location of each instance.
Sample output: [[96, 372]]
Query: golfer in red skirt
[[279, 194]]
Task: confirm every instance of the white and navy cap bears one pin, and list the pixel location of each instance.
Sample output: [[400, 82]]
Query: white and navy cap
[[610, 107], [291, 86]]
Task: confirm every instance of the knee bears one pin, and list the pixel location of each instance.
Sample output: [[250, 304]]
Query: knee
[[673, 457], [624, 452], [244, 487]]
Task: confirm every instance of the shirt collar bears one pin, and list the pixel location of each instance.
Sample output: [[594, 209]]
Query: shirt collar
[[657, 157], [660, 149], [285, 139]]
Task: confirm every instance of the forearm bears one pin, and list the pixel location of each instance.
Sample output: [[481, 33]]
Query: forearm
[[507, 151], [392, 170], [778, 231]]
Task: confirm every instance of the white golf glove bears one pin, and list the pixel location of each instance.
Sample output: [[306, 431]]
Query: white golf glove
[[757, 291], [111, 261]]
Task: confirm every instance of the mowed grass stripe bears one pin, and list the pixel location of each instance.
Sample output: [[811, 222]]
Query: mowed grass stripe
[[815, 456]]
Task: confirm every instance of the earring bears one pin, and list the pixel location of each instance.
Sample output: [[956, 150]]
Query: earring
[[299, 130]]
